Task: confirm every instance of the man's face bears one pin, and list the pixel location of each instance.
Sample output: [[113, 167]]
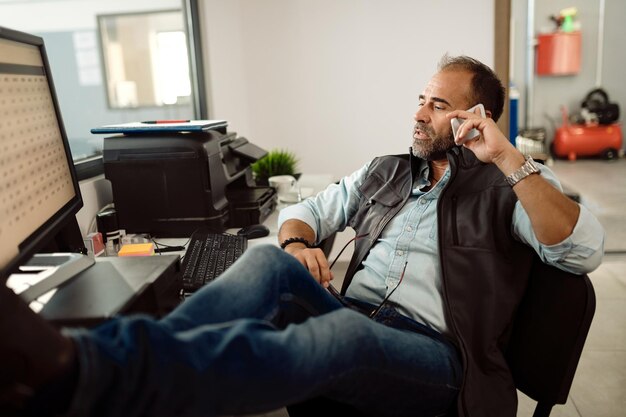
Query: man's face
[[446, 91]]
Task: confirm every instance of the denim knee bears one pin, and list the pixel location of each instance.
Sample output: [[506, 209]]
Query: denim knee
[[266, 258], [265, 250], [276, 256]]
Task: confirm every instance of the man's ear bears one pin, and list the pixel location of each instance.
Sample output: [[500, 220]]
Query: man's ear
[[488, 113]]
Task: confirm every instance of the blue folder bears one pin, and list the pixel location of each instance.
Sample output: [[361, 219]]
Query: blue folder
[[162, 126]]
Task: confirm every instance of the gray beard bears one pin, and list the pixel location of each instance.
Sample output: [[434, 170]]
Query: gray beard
[[434, 150]]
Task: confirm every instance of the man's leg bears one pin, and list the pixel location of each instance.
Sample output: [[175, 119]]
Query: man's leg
[[266, 283], [137, 366], [230, 349]]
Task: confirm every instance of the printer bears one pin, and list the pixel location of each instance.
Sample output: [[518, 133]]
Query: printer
[[169, 184]]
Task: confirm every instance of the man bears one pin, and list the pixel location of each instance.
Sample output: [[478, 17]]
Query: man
[[441, 260], [464, 235]]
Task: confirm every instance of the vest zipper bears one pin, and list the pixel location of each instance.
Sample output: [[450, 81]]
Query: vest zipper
[[455, 232]]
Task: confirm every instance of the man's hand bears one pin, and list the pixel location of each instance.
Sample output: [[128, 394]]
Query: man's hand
[[313, 259], [491, 146]]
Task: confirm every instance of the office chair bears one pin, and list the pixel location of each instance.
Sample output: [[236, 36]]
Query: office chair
[[549, 333], [546, 342]]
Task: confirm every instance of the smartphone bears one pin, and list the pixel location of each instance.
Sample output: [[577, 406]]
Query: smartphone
[[472, 134]]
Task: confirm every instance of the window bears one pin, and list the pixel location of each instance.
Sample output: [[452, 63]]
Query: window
[[74, 48], [145, 58]]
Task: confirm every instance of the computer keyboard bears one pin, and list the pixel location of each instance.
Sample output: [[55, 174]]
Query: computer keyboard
[[208, 255]]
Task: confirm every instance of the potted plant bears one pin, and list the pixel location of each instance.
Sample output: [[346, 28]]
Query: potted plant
[[276, 162]]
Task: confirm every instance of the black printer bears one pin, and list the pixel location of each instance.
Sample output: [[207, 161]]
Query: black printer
[[170, 184]]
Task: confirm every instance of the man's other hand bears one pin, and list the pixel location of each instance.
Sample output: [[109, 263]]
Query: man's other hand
[[314, 260]]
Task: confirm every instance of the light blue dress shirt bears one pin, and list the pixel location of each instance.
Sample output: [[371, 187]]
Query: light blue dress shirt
[[410, 239]]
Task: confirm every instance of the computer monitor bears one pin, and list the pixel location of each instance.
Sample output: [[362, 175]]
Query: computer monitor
[[39, 194]]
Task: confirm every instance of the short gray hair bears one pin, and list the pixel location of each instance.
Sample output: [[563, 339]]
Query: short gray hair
[[486, 86]]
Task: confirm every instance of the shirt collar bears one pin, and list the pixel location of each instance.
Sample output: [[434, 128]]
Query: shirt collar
[[421, 180]]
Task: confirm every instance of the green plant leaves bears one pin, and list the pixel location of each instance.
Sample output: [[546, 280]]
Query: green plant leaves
[[276, 162]]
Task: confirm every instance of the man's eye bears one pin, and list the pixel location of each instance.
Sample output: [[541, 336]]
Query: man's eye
[[439, 108], [420, 104]]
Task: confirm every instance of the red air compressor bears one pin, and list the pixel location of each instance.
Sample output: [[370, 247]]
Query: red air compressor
[[572, 140]]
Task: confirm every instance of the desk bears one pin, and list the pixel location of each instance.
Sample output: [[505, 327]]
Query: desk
[[135, 284]]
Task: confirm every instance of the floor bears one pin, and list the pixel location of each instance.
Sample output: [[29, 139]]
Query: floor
[[599, 387]]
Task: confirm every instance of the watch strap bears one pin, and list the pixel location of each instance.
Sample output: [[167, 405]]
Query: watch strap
[[530, 167]]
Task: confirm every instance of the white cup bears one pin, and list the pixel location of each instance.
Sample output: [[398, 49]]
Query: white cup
[[286, 187]]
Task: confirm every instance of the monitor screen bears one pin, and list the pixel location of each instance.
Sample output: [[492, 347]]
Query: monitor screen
[[39, 192]]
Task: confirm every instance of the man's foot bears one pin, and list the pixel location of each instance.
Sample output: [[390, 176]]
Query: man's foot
[[32, 351]]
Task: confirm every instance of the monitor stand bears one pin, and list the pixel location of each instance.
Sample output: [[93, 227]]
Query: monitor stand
[[58, 267]]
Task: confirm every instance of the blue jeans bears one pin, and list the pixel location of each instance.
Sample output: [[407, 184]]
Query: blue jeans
[[262, 336]]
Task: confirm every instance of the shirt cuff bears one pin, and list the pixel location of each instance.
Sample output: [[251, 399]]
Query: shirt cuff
[[582, 251]]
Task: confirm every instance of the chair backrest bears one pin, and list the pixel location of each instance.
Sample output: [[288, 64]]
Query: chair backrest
[[549, 332], [546, 341]]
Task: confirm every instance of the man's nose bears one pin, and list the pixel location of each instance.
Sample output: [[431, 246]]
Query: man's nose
[[421, 115]]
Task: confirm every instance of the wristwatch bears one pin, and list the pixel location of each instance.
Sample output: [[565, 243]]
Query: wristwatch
[[529, 167]]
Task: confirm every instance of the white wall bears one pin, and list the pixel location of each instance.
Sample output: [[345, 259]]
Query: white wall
[[335, 81]]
